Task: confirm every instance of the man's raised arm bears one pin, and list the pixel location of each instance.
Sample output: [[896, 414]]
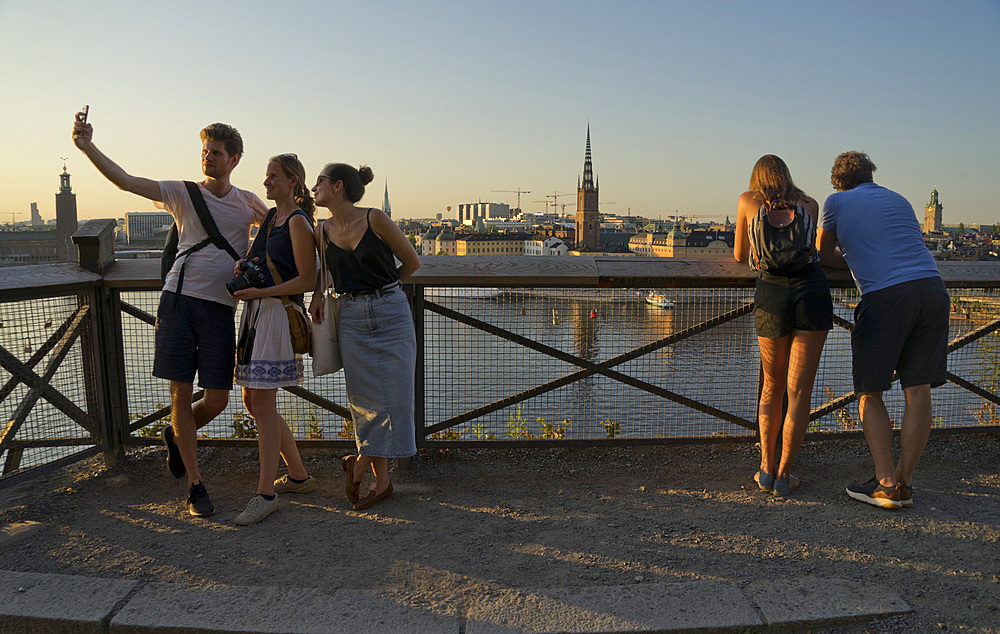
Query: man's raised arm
[[83, 137]]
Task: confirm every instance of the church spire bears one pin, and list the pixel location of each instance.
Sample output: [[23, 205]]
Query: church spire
[[385, 202], [588, 167]]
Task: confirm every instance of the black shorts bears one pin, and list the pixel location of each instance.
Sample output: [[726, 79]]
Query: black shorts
[[903, 328], [798, 302], [195, 335]]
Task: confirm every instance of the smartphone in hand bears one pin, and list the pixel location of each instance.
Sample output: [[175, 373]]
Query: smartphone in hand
[[85, 111]]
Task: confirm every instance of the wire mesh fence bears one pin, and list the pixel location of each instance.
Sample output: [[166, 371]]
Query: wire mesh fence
[[44, 382], [500, 365], [517, 364]]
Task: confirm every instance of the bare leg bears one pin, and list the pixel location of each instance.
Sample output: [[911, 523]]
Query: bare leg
[[774, 365], [187, 419], [379, 466], [915, 430], [878, 432], [290, 452], [263, 408], [806, 349]]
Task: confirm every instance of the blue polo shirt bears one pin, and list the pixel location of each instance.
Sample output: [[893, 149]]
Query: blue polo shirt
[[878, 233]]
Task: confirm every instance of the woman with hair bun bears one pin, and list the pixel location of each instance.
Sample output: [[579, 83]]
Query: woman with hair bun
[[776, 232], [285, 257], [377, 341]]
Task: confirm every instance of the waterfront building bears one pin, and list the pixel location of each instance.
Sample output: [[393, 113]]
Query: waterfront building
[[500, 224], [445, 244], [545, 245], [932, 214], [588, 216], [28, 247], [492, 244], [699, 243], [147, 228], [468, 213], [427, 242], [66, 222]]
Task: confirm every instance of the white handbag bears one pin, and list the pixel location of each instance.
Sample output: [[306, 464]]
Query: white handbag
[[325, 342]]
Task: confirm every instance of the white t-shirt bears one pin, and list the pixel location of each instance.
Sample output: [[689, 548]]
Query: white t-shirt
[[209, 268]]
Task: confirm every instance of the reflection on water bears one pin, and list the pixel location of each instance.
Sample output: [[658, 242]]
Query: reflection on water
[[466, 368]]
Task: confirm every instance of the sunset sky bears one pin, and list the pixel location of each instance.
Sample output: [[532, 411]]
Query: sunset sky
[[450, 100]]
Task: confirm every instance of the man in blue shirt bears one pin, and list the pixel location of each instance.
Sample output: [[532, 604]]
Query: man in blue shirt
[[901, 323]]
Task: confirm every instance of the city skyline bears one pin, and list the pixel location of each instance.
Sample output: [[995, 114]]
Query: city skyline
[[448, 102]]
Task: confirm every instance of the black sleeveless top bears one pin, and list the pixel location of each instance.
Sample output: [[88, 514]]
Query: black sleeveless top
[[368, 267], [279, 247]]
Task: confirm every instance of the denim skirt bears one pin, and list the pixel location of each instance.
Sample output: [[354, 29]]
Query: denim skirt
[[379, 349]]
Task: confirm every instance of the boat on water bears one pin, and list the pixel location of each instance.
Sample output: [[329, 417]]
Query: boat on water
[[658, 299], [466, 292]]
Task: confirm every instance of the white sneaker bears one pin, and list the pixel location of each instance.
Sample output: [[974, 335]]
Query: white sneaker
[[256, 510], [284, 485]]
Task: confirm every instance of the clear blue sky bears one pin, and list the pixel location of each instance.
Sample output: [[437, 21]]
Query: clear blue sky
[[449, 100]]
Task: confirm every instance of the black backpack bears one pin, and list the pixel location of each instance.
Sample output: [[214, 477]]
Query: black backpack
[[782, 250], [170, 253]]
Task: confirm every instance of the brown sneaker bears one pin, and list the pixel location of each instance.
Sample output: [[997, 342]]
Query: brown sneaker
[[905, 494], [875, 493]]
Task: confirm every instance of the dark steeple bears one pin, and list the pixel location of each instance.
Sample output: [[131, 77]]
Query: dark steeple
[[588, 167]]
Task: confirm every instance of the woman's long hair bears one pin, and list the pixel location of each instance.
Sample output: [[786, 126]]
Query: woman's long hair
[[292, 167], [771, 180]]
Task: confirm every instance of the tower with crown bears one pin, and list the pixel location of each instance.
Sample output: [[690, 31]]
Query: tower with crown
[[66, 222], [588, 218], [932, 214]]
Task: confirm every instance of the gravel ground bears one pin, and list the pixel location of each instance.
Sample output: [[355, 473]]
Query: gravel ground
[[463, 523]]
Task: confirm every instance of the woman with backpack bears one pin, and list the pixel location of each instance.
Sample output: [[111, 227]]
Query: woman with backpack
[[271, 280], [793, 313]]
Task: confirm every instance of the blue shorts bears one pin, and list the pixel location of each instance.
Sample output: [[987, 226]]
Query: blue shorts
[[902, 329], [195, 335]]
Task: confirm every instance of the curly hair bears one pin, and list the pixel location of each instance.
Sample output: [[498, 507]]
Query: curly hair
[[850, 170]]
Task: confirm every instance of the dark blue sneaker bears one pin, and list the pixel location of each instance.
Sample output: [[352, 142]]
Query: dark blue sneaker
[[174, 461], [198, 503]]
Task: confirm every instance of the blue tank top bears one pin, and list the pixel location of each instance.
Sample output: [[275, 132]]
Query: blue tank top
[[279, 247], [368, 267]]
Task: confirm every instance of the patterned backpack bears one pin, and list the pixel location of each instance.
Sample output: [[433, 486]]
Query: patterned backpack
[[782, 250]]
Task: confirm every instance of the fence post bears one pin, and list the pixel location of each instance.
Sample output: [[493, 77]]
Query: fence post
[[419, 423], [103, 353]]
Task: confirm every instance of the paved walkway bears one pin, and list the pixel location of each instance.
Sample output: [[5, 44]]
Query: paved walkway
[[66, 603]]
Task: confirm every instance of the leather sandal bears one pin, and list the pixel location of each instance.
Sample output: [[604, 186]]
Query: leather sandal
[[352, 488], [369, 500]]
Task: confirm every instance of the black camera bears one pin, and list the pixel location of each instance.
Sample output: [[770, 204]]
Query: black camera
[[251, 276]]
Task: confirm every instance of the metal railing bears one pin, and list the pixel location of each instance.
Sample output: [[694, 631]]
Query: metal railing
[[514, 351]]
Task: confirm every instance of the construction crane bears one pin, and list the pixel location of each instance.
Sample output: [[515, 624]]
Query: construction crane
[[517, 191], [682, 218]]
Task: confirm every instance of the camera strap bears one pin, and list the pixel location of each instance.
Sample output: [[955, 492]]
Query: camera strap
[[214, 235]]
